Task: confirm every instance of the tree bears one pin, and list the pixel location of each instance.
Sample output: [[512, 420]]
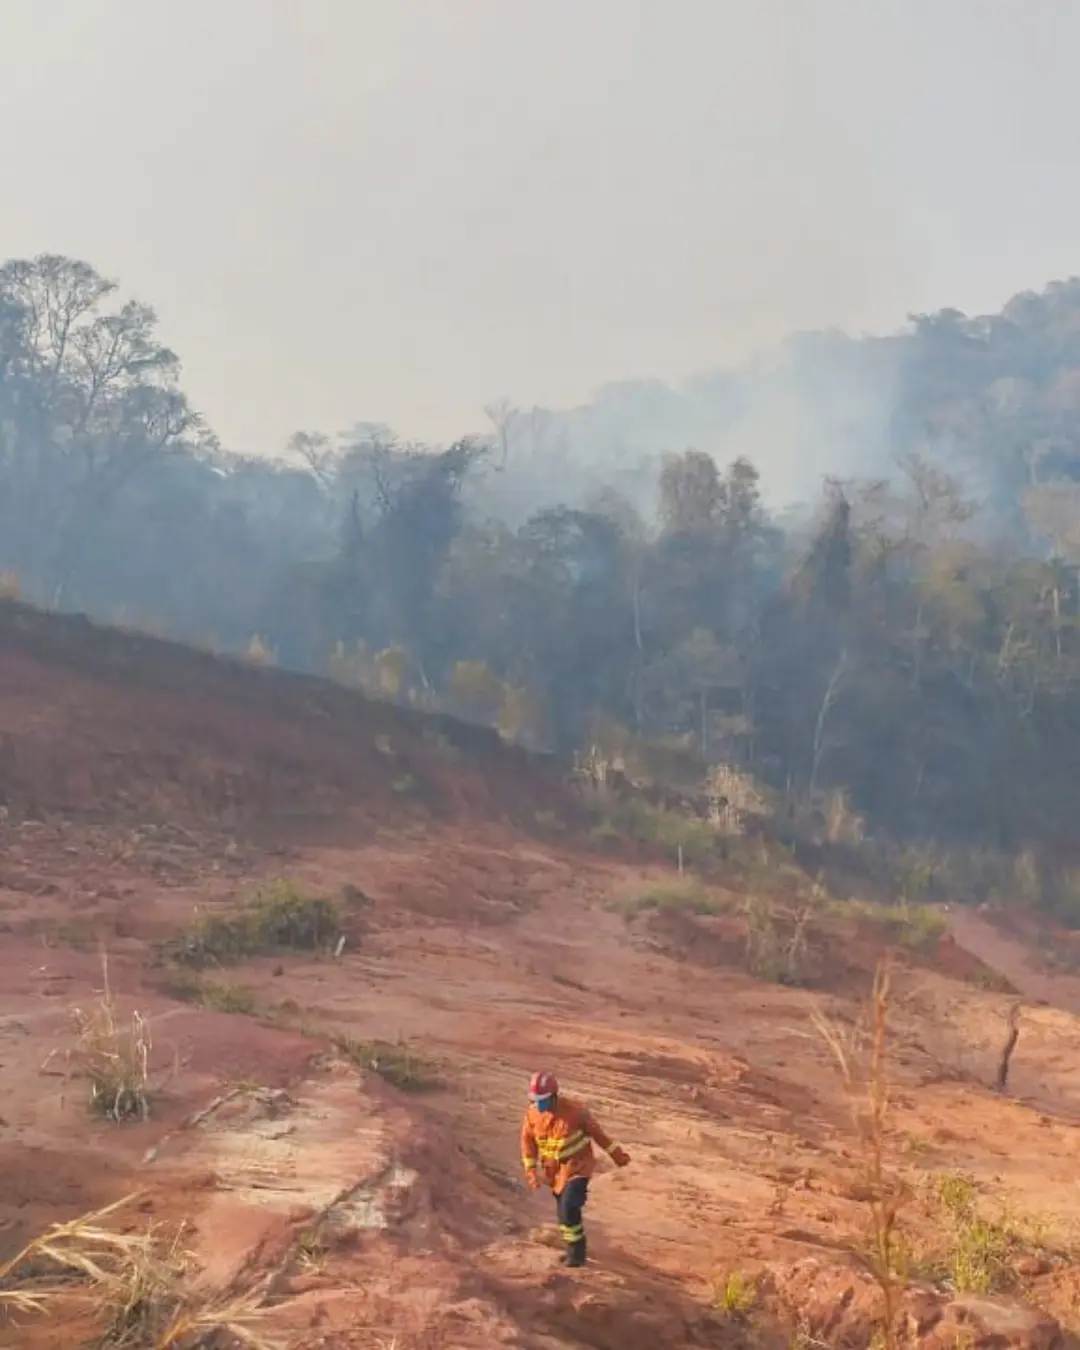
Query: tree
[[913, 642], [96, 400], [691, 494]]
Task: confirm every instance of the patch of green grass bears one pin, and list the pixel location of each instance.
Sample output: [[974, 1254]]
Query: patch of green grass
[[671, 893], [403, 784], [982, 1251], [548, 822], [221, 996], [670, 830], [278, 917], [214, 995], [921, 927], [957, 1193], [917, 928], [396, 1064], [981, 1257]]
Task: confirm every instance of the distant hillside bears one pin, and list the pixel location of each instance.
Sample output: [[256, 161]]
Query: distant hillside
[[910, 646], [99, 724]]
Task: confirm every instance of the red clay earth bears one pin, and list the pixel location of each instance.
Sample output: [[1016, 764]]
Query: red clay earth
[[141, 780]]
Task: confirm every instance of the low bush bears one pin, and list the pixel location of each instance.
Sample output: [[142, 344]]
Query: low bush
[[918, 928], [222, 996], [394, 1063], [777, 942], [672, 893], [980, 1254], [278, 917], [676, 832]]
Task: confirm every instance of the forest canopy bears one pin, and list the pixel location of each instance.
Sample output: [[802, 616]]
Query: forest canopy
[[910, 636]]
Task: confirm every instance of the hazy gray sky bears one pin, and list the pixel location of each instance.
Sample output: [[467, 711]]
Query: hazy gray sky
[[398, 209]]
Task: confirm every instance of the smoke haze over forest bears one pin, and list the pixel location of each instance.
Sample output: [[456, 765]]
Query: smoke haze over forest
[[397, 247]]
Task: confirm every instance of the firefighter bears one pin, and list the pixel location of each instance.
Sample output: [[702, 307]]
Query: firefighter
[[557, 1137]]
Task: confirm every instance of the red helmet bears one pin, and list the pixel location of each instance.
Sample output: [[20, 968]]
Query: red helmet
[[543, 1085]]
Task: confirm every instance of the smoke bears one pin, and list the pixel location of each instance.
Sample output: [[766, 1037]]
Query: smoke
[[821, 405]]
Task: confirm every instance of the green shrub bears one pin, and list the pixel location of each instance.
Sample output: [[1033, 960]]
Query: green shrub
[[957, 1193], [215, 995], [220, 996], [396, 1064], [777, 949], [670, 893], [278, 917], [670, 830], [981, 1252], [918, 928]]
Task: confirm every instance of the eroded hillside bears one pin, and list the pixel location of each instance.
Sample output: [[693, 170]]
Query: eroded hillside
[[349, 933]]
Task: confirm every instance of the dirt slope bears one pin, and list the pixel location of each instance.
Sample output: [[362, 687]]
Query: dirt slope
[[140, 780]]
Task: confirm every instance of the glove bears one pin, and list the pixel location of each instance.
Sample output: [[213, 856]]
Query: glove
[[620, 1157], [532, 1180]]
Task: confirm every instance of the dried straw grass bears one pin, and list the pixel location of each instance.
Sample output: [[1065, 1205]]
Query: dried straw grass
[[134, 1285], [114, 1055]]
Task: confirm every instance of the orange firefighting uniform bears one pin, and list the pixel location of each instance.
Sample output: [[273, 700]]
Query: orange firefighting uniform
[[559, 1143]]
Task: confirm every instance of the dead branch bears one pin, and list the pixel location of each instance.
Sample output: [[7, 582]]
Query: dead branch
[[1013, 1022]]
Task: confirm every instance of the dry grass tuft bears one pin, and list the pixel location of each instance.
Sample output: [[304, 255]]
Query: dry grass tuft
[[867, 1087], [133, 1284], [734, 1293], [114, 1054]]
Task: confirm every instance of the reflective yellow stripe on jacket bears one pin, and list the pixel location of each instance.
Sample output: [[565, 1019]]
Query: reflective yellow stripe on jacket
[[559, 1150]]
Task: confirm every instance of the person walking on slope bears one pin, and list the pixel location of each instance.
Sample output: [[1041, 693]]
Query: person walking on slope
[[557, 1138]]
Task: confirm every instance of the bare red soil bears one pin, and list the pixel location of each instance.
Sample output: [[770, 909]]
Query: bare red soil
[[139, 781]]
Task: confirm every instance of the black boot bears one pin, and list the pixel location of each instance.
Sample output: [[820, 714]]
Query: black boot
[[576, 1254]]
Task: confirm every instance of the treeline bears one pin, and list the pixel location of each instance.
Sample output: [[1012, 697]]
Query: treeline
[[913, 640]]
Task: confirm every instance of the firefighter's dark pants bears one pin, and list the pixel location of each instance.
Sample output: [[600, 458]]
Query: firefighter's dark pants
[[568, 1205]]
